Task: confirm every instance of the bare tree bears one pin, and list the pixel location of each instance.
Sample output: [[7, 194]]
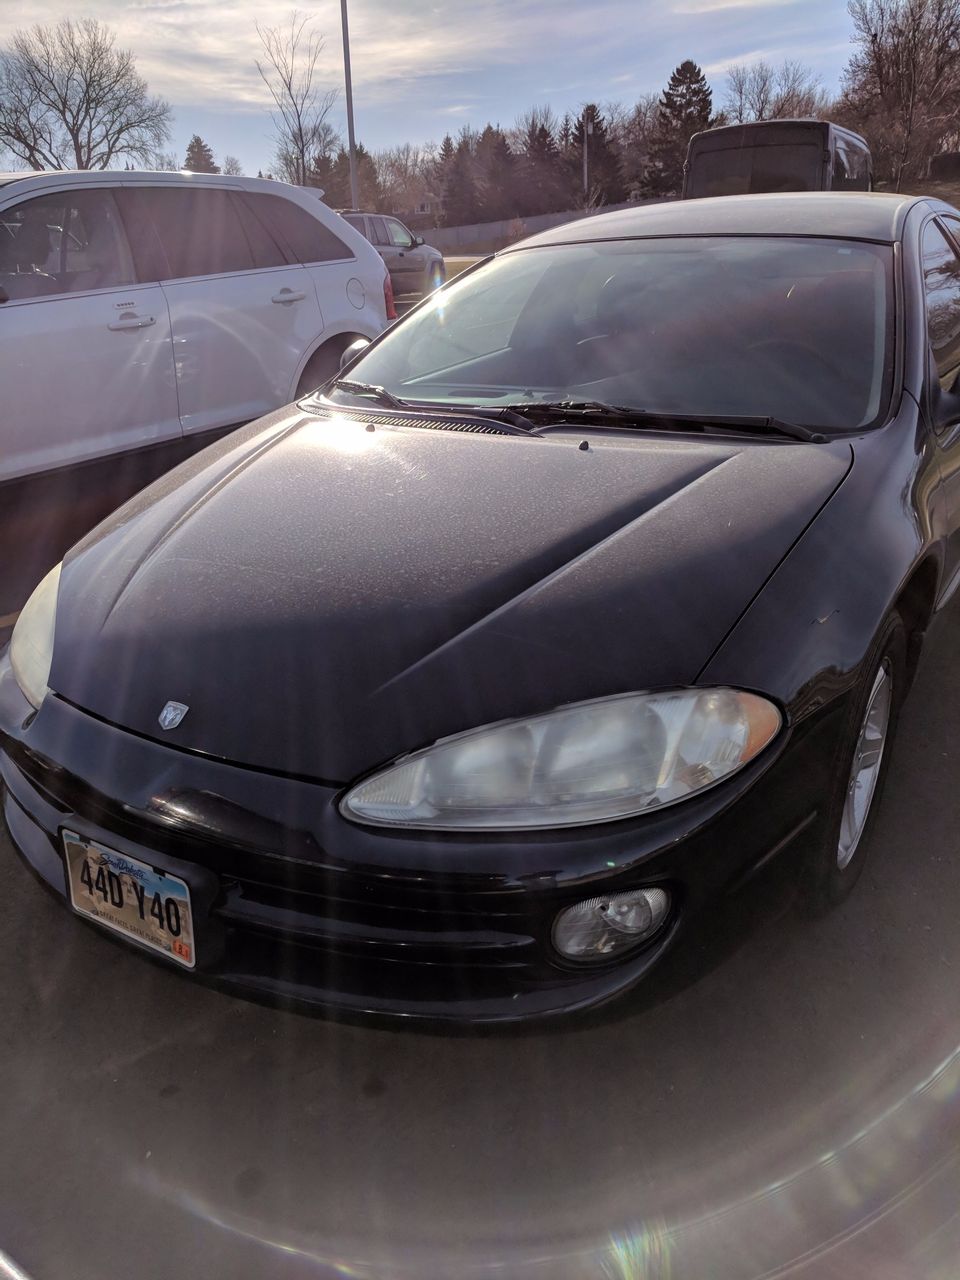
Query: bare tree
[[165, 161], [763, 92], [404, 175], [902, 85], [798, 93], [636, 141], [69, 98], [232, 167], [301, 106]]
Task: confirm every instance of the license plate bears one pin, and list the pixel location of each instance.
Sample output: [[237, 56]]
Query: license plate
[[149, 906]]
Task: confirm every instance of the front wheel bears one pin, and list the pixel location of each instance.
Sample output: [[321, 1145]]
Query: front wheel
[[860, 769]]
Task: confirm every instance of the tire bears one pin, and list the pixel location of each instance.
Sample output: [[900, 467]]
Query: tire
[[836, 863], [321, 366]]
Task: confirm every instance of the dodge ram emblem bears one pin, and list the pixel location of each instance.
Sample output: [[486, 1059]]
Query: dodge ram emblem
[[172, 714]]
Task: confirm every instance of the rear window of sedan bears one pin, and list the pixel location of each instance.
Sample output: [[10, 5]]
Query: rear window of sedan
[[796, 328]]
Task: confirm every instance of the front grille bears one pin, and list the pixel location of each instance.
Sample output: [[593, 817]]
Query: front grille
[[296, 897], [354, 915]]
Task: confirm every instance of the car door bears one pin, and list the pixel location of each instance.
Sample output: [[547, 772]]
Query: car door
[[941, 276], [409, 268], [380, 238], [331, 265], [242, 313], [86, 368]]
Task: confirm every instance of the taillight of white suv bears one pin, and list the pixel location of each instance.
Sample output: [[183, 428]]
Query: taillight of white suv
[[388, 299]]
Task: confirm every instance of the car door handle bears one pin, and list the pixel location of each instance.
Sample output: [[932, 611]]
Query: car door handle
[[130, 321], [288, 295]]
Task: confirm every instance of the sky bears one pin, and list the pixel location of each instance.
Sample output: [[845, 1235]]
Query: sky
[[421, 70]]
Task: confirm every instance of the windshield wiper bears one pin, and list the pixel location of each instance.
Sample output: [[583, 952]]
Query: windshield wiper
[[380, 394], [596, 411]]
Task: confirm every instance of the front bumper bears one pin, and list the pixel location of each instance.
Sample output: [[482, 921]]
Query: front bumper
[[301, 906]]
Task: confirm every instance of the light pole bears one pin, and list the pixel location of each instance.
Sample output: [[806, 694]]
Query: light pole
[[587, 131], [354, 193]]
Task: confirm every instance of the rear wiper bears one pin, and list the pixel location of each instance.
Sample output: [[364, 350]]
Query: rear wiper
[[380, 394], [622, 415]]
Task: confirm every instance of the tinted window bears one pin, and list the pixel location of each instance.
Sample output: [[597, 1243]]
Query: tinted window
[[378, 231], [65, 243], [356, 221], [743, 170], [264, 247], [148, 255], [795, 328], [308, 239], [941, 274], [200, 231], [850, 168]]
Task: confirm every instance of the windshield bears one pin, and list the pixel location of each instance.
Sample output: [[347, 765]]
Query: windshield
[[743, 170], [798, 329]]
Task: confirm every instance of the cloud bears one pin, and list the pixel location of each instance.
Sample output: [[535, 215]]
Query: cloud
[[720, 6], [792, 52], [420, 67]]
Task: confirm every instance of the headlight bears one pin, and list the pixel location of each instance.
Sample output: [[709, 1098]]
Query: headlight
[[31, 648], [591, 762]]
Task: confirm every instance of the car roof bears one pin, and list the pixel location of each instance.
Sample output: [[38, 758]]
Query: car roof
[[786, 125], [846, 215], [112, 177]]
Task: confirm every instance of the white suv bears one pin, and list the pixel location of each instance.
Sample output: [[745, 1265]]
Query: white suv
[[144, 314]]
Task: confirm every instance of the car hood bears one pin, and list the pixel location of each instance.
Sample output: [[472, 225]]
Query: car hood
[[324, 596]]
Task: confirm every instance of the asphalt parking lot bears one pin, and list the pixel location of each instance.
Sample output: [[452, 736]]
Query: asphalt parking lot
[[796, 1103]]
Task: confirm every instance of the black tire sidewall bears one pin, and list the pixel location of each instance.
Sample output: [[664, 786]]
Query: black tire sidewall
[[825, 884], [320, 368]]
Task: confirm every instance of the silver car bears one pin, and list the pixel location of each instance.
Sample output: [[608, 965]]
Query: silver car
[[415, 267]]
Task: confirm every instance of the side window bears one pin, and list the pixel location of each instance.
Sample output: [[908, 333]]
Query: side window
[[400, 237], [378, 232], [850, 168], [199, 229], [308, 239], [148, 255], [941, 274], [858, 166], [356, 221], [66, 243], [264, 247]]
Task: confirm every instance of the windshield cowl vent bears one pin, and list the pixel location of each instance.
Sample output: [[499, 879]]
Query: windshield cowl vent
[[384, 418]]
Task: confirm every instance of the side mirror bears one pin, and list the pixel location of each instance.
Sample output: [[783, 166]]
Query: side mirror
[[417, 241], [350, 353]]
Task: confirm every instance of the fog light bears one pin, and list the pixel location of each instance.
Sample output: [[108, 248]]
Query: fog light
[[603, 927]]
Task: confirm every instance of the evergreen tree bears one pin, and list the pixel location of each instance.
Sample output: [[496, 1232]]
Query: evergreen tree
[[443, 161], [333, 175], [199, 157], [460, 189], [685, 108], [543, 176], [604, 176], [496, 176]]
